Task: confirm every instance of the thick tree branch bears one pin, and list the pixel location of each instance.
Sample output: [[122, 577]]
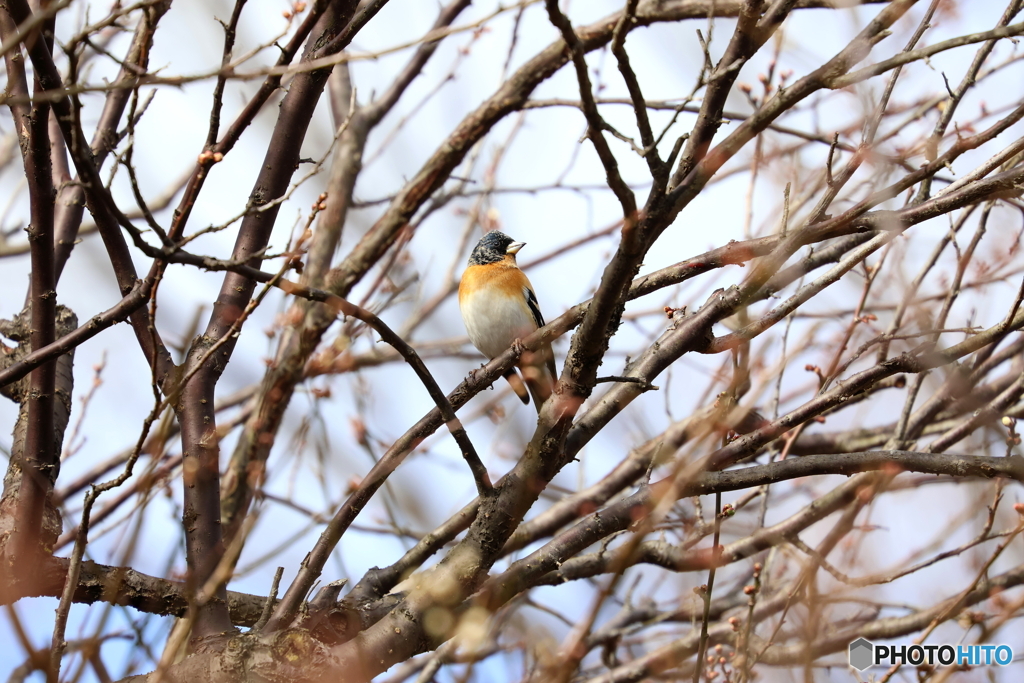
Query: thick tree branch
[[194, 404]]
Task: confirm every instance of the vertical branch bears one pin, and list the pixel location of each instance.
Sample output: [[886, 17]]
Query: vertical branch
[[194, 406], [592, 339], [298, 343], [248, 459], [595, 124], [38, 461], [742, 46], [643, 122], [98, 200], [706, 592], [70, 203], [230, 30]]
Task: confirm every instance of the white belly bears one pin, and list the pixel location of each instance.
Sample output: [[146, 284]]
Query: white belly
[[493, 322]]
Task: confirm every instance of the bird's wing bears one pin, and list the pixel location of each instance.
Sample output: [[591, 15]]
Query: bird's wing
[[531, 301], [539, 396]]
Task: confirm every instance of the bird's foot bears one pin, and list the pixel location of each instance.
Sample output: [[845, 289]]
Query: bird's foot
[[518, 347]]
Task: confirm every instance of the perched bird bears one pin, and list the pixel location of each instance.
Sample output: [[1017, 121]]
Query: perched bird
[[499, 307]]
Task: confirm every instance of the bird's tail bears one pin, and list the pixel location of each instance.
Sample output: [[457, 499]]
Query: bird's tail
[[517, 385], [539, 374]]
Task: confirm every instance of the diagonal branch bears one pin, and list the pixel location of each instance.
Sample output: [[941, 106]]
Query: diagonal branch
[[595, 124], [658, 168], [135, 299]]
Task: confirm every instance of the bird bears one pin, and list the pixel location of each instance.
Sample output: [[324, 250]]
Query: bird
[[499, 308]]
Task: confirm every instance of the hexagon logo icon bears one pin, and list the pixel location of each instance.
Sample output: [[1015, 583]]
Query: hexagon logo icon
[[862, 653]]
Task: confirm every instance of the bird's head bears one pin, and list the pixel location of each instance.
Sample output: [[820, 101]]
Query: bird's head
[[493, 247]]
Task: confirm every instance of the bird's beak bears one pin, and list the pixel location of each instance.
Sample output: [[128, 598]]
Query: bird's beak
[[514, 248]]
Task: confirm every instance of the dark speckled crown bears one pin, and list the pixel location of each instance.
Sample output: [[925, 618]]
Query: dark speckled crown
[[490, 249]]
